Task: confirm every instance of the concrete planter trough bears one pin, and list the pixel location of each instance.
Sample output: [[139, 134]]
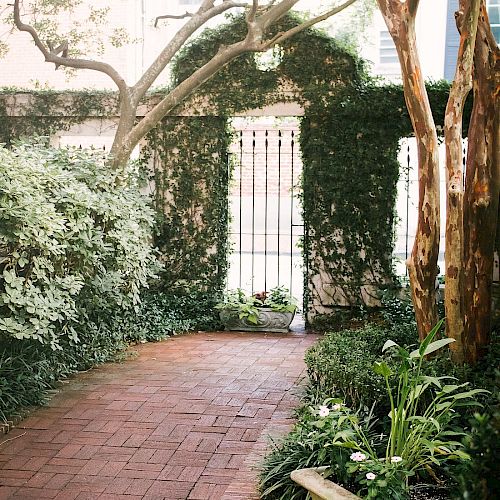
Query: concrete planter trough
[[320, 488], [268, 321]]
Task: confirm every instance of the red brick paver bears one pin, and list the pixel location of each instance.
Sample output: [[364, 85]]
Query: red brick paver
[[187, 419]]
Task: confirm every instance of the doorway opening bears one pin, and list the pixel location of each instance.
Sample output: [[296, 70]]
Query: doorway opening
[[266, 226]]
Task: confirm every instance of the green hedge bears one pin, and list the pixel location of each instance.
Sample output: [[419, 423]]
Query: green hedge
[[340, 364], [75, 257]]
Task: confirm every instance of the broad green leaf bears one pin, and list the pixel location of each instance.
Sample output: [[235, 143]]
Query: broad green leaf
[[382, 368], [433, 346], [468, 394], [428, 339], [388, 344]]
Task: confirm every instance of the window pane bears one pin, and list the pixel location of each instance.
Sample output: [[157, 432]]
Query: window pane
[[496, 33], [389, 59], [494, 15], [387, 50]]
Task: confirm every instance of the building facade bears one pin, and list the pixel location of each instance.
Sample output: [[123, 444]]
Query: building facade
[[23, 66]]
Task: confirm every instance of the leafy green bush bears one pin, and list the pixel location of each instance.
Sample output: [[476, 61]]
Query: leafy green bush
[[75, 251], [341, 363], [428, 417], [28, 369], [239, 305], [307, 445], [74, 238], [478, 478]]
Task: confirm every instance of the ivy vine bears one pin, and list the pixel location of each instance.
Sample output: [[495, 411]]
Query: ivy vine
[[190, 174], [349, 140]]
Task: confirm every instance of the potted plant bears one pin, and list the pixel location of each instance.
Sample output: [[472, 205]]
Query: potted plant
[[260, 312]]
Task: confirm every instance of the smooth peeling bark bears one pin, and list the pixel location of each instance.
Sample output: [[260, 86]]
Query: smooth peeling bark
[[422, 264], [467, 19], [481, 192]]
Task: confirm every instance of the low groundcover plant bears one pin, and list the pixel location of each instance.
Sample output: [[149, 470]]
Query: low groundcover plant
[[421, 438]]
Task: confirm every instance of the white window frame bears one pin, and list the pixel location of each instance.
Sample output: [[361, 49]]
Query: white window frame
[[387, 54]]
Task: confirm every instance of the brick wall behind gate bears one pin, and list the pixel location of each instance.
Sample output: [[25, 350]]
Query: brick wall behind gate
[[279, 166]]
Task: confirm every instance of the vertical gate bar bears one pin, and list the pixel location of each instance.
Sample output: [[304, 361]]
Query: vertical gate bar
[[253, 209], [292, 144], [279, 203], [241, 200], [407, 203], [265, 213]]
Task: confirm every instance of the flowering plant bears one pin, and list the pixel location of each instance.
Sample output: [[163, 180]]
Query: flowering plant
[[421, 436]]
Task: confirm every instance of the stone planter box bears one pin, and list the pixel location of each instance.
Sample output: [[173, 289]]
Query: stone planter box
[[268, 321], [320, 488]]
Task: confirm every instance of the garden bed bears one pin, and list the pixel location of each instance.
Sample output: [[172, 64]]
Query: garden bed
[[340, 365]]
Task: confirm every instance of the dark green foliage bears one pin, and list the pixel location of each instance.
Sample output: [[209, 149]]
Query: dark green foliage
[[479, 479], [75, 254], [397, 307], [303, 447], [349, 147], [350, 132], [331, 65], [72, 243], [28, 369], [340, 364], [44, 112], [162, 314]]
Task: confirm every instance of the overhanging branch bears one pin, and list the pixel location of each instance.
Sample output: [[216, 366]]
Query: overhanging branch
[[280, 37], [171, 16], [51, 54]]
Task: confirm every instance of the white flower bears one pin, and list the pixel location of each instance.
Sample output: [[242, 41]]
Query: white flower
[[357, 456], [336, 407], [324, 411], [395, 459], [371, 476]]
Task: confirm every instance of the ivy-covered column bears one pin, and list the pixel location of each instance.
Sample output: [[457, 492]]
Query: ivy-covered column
[[350, 176], [188, 157]]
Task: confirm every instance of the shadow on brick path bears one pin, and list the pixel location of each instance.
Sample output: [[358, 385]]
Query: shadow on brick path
[[187, 419]]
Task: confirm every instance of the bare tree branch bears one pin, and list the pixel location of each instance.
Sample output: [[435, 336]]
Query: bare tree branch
[[170, 16], [252, 42], [413, 7], [276, 12], [253, 11], [280, 37], [51, 54], [206, 12]]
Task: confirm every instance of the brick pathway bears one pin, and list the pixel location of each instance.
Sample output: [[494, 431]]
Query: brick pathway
[[187, 419]]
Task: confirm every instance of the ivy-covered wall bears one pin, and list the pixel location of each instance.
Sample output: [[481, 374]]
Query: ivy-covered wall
[[349, 142], [25, 113], [188, 156], [350, 148]]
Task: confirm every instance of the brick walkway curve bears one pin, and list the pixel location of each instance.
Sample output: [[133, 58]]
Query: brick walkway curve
[[188, 418]]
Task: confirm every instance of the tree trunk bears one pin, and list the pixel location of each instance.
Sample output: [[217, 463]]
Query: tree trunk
[[481, 192], [467, 18], [422, 264], [122, 148]]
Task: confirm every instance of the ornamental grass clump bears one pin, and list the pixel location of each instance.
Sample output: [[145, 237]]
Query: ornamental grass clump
[[421, 438]]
